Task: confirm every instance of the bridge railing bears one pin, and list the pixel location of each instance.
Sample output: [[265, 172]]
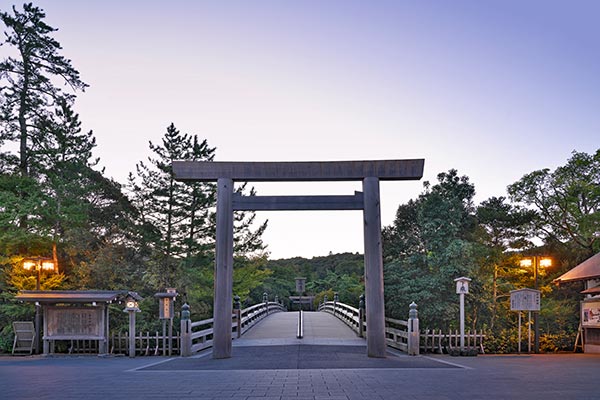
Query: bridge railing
[[197, 336], [351, 316], [399, 334], [404, 335]]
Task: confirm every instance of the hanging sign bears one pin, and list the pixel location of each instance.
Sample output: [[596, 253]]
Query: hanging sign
[[166, 304]]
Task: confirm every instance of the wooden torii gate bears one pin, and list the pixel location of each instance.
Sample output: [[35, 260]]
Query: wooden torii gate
[[369, 172]]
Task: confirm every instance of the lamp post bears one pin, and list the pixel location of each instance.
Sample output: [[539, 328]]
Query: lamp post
[[131, 307], [536, 262], [38, 264]]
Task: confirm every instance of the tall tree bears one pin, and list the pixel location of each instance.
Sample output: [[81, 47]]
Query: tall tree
[[436, 247], [502, 230], [566, 201], [29, 81], [163, 203], [180, 217]]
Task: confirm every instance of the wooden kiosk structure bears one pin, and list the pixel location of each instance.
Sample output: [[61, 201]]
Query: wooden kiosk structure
[[74, 315], [589, 325], [368, 172]]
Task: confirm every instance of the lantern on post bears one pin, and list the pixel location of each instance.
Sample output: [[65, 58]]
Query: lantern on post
[[166, 312], [131, 307]]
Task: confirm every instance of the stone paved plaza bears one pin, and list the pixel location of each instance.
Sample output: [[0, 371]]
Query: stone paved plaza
[[269, 365], [570, 376]]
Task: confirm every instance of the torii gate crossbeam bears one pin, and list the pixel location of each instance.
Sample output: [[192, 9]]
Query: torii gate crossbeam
[[369, 172]]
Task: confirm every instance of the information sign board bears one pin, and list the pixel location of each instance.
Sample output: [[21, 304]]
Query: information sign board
[[77, 322], [590, 313], [525, 300], [300, 285]]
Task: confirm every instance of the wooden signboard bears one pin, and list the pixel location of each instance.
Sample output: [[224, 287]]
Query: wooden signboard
[[525, 300], [73, 323], [167, 308]]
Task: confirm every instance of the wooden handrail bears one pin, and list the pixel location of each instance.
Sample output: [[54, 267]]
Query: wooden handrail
[[200, 339], [397, 332]]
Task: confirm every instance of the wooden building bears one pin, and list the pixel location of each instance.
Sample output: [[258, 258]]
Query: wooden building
[[74, 315], [588, 272]]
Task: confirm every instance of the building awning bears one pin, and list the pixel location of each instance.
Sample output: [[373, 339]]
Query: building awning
[[73, 296], [594, 290], [589, 269]]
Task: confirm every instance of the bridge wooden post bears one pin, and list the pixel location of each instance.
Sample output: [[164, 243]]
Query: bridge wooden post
[[186, 332], [223, 270], [376, 346]]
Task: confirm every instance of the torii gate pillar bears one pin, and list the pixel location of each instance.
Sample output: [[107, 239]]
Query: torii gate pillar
[[223, 270], [375, 306], [369, 172]]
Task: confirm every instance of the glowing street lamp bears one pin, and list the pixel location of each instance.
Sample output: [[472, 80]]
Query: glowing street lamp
[[536, 262], [38, 264]]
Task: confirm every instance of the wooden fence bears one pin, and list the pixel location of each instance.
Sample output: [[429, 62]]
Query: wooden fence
[[146, 344], [435, 341]]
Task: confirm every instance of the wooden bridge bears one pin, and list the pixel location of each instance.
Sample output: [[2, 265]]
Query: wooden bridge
[[334, 324]]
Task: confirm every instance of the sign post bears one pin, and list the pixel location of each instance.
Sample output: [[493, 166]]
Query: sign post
[[525, 300], [462, 288], [300, 288], [166, 312]]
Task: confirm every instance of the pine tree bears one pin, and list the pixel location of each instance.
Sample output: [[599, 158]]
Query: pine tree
[[174, 213], [179, 218], [29, 87]]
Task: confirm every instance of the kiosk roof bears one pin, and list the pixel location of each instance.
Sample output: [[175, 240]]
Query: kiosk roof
[[73, 296], [589, 269]]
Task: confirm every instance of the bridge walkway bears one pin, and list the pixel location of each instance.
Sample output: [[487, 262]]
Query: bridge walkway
[[319, 329]]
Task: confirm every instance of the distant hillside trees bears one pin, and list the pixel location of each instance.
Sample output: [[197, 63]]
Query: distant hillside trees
[[325, 275]]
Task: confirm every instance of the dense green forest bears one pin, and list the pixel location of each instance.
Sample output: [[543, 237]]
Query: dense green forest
[[153, 232]]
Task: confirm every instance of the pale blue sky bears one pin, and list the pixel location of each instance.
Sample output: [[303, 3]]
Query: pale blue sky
[[494, 89]]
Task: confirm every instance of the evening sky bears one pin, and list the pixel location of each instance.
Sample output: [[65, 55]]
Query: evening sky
[[495, 89]]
